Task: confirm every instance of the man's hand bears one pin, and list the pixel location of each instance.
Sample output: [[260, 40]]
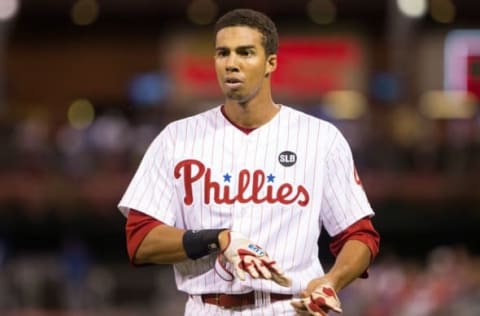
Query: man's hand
[[318, 299], [247, 257]]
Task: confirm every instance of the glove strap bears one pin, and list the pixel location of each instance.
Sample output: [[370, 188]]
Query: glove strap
[[199, 243], [222, 270]]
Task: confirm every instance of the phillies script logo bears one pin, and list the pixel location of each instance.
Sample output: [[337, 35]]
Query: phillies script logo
[[249, 189]]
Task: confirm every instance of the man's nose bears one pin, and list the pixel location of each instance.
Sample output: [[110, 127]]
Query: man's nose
[[231, 63]]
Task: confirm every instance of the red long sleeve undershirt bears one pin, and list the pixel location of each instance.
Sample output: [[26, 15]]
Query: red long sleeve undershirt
[[140, 224], [362, 231], [137, 227]]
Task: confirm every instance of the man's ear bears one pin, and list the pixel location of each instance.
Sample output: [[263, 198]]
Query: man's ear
[[271, 64]]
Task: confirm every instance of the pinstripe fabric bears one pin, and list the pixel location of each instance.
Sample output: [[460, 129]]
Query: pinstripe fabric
[[202, 172], [195, 307]]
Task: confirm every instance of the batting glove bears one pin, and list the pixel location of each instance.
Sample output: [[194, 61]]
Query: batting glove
[[247, 257], [322, 300]]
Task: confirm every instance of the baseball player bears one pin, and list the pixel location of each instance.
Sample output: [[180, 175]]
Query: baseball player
[[236, 197]]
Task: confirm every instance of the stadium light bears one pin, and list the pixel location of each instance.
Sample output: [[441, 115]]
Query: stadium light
[[8, 9], [412, 8]]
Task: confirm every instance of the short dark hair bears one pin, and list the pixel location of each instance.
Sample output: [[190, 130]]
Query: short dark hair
[[253, 19]]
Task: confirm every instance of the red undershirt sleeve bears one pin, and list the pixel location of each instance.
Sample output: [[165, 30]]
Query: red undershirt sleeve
[[362, 231], [137, 227]]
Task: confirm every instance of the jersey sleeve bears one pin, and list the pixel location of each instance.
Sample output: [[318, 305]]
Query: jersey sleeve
[[151, 189], [361, 230], [344, 200]]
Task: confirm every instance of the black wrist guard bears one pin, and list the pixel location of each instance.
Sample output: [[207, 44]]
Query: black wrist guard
[[199, 243]]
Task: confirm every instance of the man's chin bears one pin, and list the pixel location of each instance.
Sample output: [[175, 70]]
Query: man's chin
[[235, 96]]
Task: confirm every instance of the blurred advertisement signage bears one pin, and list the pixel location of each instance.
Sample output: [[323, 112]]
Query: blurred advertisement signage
[[473, 76], [462, 61], [308, 67]]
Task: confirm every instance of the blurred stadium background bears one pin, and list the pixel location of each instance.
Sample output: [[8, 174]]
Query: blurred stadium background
[[85, 85]]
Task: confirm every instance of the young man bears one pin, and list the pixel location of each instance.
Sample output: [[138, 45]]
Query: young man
[[236, 197]]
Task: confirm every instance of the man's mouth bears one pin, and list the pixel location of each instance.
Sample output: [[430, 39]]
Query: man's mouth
[[233, 82]]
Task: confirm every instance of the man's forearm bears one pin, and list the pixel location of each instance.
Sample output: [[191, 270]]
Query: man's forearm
[[163, 244], [351, 262]]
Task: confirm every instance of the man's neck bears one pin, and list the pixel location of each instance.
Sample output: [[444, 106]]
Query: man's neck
[[250, 115]]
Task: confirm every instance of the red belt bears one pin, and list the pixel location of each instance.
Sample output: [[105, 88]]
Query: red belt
[[238, 300]]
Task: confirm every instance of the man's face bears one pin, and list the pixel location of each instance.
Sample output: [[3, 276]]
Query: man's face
[[241, 64]]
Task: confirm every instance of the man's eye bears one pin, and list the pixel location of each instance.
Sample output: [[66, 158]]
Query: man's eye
[[222, 53]]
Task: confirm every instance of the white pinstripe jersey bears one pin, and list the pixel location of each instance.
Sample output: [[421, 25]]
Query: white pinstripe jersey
[[278, 185]]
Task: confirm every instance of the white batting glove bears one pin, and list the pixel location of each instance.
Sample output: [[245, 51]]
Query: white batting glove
[[247, 257], [322, 300]]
